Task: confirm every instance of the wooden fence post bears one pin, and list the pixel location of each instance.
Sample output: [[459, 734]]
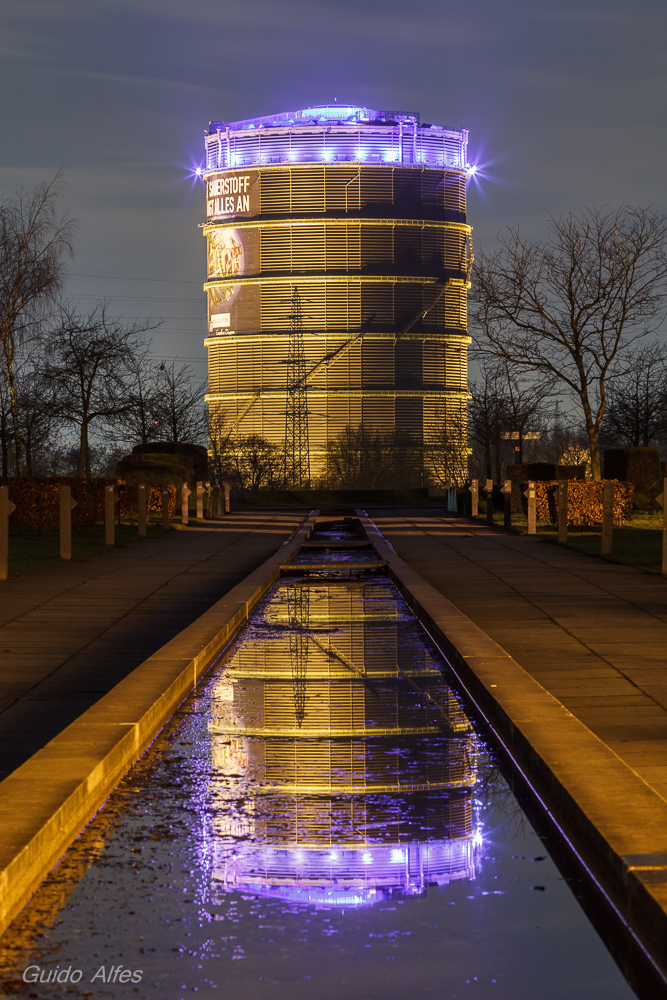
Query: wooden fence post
[[228, 506], [6, 508], [67, 505], [165, 507], [185, 512], [607, 518], [142, 509], [507, 503], [474, 498], [662, 501], [562, 511], [110, 501], [488, 489], [200, 501], [208, 489], [532, 519]]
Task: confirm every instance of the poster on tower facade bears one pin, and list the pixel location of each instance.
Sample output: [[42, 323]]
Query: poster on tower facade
[[233, 194]]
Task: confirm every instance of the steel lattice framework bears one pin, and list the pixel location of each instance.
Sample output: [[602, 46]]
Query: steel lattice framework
[[298, 605], [361, 215], [297, 452]]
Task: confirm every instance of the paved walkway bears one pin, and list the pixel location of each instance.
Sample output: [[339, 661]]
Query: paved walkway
[[68, 635], [593, 634]]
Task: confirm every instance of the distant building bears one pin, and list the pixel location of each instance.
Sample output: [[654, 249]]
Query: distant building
[[362, 214]]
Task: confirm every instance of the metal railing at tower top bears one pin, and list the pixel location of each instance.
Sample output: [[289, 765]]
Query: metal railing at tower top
[[334, 134]]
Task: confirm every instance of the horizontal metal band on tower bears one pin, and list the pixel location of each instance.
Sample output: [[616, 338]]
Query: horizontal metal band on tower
[[344, 221], [453, 337], [214, 397]]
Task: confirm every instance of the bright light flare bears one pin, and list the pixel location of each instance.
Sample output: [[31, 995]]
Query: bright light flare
[[193, 172]]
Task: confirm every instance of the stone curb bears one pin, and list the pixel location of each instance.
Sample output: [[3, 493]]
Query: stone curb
[[47, 801], [615, 821]]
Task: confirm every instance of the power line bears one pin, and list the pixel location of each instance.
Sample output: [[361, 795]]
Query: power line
[[140, 298], [119, 277]]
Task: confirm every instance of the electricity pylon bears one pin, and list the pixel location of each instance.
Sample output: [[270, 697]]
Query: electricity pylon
[[298, 613], [297, 454]]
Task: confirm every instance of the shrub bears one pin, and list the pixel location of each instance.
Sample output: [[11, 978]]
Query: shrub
[[538, 472], [584, 502], [639, 466], [193, 456], [37, 501], [154, 470]]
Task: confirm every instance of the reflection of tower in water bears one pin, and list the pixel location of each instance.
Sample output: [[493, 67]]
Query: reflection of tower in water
[[298, 601], [366, 791]]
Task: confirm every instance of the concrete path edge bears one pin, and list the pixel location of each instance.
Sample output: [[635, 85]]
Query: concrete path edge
[[613, 819], [50, 798]]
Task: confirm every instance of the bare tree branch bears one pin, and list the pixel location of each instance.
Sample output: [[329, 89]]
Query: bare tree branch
[[573, 306], [87, 370], [34, 242], [179, 401]]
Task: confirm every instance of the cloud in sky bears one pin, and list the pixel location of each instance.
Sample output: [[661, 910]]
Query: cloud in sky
[[564, 100]]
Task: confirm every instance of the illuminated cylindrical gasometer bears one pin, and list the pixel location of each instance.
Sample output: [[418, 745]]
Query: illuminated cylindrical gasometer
[[363, 213]]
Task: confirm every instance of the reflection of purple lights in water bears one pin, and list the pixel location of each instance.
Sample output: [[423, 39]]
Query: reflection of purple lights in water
[[367, 874]]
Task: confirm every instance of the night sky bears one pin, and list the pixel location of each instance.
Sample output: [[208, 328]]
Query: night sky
[[565, 103]]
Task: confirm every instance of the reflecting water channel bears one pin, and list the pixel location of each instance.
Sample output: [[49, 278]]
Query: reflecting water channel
[[320, 820]]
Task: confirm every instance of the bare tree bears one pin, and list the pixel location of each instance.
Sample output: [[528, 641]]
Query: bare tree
[[220, 430], [446, 447], [34, 241], [259, 464], [508, 409], [141, 422], [6, 438], [359, 458], [38, 419], [636, 411], [573, 306], [180, 404], [247, 462], [487, 419], [86, 368], [526, 401]]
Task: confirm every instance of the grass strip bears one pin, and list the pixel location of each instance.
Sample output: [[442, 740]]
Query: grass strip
[[637, 543], [31, 551]]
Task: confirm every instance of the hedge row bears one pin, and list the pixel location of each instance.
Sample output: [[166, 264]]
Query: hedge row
[[639, 466], [584, 501], [37, 501]]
